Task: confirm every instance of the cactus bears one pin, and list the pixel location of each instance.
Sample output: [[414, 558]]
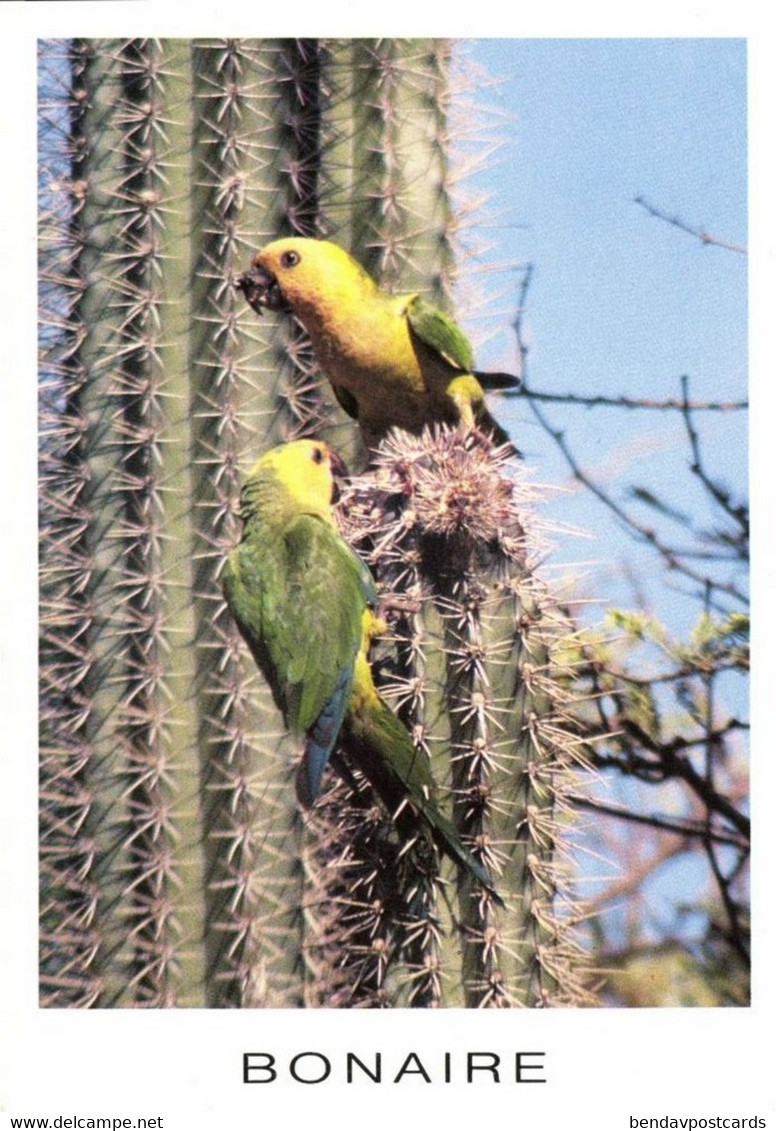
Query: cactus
[[176, 868]]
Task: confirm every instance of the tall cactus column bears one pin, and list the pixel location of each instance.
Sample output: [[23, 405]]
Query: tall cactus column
[[129, 578], [385, 192], [152, 395], [256, 122]]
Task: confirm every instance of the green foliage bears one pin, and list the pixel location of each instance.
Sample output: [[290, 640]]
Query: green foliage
[[176, 868], [665, 732]]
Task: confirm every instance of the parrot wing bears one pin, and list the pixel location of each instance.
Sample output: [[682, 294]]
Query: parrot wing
[[298, 595], [440, 333], [320, 635], [498, 382]]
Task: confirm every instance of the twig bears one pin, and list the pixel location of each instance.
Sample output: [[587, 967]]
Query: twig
[[699, 233], [669, 405], [739, 514], [670, 763], [709, 841], [673, 558]]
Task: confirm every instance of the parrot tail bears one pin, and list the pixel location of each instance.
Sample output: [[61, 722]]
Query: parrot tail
[[498, 381], [380, 746], [449, 842]]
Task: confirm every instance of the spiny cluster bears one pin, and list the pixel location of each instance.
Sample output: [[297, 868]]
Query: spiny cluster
[[458, 485]]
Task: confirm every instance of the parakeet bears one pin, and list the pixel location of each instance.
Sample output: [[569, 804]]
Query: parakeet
[[304, 602], [392, 360]]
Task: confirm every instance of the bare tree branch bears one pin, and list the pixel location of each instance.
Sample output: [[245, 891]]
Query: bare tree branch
[[670, 405], [739, 514], [682, 828], [662, 727], [699, 233]]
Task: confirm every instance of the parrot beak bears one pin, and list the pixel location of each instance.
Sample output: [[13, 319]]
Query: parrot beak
[[339, 471], [261, 289]]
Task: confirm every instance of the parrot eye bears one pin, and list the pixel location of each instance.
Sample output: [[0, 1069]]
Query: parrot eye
[[317, 455], [289, 259]]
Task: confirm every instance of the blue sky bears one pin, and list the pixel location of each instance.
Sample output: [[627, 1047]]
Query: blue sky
[[620, 302]]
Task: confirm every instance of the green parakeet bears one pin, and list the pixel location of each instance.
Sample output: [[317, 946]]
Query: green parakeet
[[304, 602], [392, 360]]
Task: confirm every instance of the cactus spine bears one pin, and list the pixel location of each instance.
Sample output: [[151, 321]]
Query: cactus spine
[[176, 867]]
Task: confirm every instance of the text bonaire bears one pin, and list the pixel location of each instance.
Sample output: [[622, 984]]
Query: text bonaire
[[470, 1067]]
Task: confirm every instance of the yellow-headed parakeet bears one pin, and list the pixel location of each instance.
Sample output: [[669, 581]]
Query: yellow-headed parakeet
[[304, 602], [392, 360]]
